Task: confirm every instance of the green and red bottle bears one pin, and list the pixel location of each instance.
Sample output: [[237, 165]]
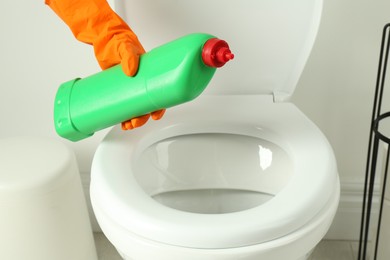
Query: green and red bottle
[[169, 75]]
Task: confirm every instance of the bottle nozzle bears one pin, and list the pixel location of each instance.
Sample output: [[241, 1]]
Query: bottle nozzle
[[229, 56], [216, 53]]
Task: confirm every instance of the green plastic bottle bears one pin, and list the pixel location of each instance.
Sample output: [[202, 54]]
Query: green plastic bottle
[[169, 75]]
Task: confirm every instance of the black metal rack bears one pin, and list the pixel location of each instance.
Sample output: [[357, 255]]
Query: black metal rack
[[377, 140]]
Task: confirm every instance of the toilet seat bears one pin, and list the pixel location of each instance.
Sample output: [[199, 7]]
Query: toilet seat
[[115, 190]]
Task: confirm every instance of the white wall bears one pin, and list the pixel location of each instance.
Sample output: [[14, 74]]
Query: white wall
[[38, 52], [384, 238]]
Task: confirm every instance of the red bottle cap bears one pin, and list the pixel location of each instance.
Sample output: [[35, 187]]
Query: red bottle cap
[[216, 53]]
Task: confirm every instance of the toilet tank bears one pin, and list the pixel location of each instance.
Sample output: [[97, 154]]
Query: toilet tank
[[271, 39]]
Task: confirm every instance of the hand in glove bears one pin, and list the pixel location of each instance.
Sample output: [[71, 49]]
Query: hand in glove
[[94, 22]]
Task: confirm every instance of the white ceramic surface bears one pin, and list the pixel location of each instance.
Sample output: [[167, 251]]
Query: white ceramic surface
[[222, 177], [119, 176]]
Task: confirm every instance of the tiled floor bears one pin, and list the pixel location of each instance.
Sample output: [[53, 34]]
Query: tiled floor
[[326, 250]]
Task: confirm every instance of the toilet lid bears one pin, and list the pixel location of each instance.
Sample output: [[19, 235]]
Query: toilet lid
[[271, 39]]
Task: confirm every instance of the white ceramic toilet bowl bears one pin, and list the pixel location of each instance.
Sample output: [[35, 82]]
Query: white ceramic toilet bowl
[[238, 173], [222, 177]]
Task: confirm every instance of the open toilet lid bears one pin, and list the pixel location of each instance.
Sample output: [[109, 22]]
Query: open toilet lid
[[271, 39]]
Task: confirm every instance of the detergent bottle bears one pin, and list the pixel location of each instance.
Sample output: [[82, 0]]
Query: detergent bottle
[[169, 75]]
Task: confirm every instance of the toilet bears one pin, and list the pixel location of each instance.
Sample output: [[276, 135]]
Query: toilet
[[238, 173]]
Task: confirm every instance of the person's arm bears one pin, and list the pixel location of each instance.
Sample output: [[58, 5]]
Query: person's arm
[[94, 22]]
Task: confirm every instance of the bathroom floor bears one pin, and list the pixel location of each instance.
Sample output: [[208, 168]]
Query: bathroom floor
[[325, 250]]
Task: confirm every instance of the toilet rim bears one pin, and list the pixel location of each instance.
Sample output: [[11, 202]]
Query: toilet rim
[[279, 216]]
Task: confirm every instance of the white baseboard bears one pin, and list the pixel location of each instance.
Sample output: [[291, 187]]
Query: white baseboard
[[346, 224]]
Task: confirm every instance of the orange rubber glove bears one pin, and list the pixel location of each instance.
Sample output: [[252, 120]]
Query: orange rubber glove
[[94, 22]]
